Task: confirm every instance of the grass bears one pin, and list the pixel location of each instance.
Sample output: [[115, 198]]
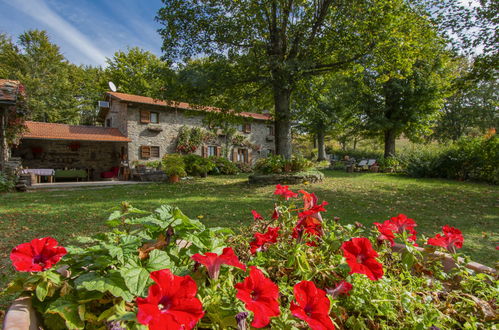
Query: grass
[[227, 201]]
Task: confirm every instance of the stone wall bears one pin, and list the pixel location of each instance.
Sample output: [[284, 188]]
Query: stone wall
[[164, 134], [56, 154]]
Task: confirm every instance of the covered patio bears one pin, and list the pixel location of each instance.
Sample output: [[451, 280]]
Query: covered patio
[[59, 152]]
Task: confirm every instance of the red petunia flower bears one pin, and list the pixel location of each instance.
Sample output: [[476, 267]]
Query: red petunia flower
[[256, 215], [309, 199], [171, 302], [341, 288], [314, 211], [213, 261], [38, 255], [275, 214], [284, 192], [310, 226], [312, 306], [451, 240], [398, 225], [261, 240], [260, 296], [360, 256]]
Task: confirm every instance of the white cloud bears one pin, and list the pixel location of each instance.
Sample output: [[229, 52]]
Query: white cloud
[[40, 11]]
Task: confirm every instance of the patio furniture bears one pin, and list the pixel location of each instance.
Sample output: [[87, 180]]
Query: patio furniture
[[70, 174], [37, 173], [362, 166], [372, 165]]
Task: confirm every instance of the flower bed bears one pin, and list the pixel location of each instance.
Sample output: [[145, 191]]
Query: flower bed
[[292, 268], [311, 176]]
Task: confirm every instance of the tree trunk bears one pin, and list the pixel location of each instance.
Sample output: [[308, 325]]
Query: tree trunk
[[282, 121], [355, 143], [321, 154], [314, 141], [389, 143], [3, 142]]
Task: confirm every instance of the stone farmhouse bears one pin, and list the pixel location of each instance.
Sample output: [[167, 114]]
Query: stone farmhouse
[[138, 129]]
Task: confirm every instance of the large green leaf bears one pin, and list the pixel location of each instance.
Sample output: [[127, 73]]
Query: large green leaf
[[136, 279], [158, 260], [68, 310], [112, 283]]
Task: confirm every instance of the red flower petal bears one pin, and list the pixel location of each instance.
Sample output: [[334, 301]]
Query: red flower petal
[[213, 261], [260, 297], [38, 255], [171, 302], [311, 305], [361, 256], [284, 192], [261, 240], [256, 215]]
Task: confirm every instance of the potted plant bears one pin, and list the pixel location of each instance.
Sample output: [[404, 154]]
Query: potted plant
[[174, 167]]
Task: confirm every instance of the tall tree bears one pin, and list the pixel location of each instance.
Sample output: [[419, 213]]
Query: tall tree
[[45, 73], [276, 44], [136, 71]]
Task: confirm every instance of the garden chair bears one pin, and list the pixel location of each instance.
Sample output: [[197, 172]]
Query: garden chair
[[362, 165], [372, 165]]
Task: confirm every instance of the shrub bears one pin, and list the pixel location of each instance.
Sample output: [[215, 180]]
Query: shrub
[[305, 268], [244, 167], [197, 165], [7, 183], [173, 164], [223, 166], [276, 164], [469, 158]]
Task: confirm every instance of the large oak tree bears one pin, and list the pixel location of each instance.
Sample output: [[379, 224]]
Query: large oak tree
[[278, 43]]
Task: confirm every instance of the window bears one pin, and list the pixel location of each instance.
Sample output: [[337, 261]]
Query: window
[[154, 117], [155, 151], [108, 122], [247, 128], [242, 156], [212, 151], [271, 130], [147, 152]]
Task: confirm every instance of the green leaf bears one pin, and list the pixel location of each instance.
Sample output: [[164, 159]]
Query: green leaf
[[158, 260], [136, 279], [112, 283], [41, 290], [68, 310]]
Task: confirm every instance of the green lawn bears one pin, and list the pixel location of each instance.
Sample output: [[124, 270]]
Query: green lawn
[[227, 201]]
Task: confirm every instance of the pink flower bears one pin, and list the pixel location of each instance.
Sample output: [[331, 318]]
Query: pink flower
[[284, 192], [213, 261]]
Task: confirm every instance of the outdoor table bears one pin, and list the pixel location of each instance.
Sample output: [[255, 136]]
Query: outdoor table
[[39, 172]]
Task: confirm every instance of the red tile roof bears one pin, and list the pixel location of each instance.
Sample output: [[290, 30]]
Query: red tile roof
[[9, 90], [181, 105], [51, 131]]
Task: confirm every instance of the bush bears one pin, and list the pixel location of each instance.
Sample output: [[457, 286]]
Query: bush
[[223, 166], [357, 154], [469, 158], [244, 167], [7, 183], [306, 269], [197, 165], [276, 164], [173, 164]]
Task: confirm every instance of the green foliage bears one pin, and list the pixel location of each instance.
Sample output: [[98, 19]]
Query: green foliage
[[244, 167], [189, 139], [7, 183], [277, 164], [197, 165], [468, 159], [173, 164], [223, 166]]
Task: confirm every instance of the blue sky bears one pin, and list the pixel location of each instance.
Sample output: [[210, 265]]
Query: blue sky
[[87, 31]]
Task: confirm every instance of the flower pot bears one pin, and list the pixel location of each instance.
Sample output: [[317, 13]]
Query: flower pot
[[174, 178], [21, 315], [447, 261]]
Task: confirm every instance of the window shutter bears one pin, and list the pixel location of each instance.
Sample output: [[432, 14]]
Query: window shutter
[[234, 155], [204, 151], [246, 156], [145, 152], [247, 128], [249, 158], [218, 151], [145, 117]]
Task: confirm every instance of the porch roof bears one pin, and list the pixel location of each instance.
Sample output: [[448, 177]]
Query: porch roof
[[51, 131]]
